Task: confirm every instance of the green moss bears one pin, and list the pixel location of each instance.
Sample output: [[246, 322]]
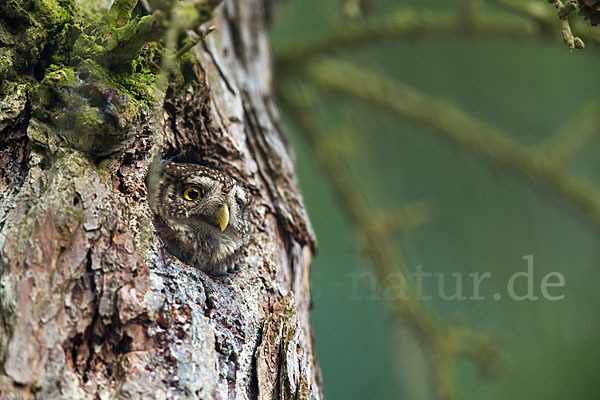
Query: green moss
[[56, 79], [126, 42], [119, 13], [88, 109], [28, 27], [7, 62], [91, 74], [139, 76], [88, 118], [85, 47], [140, 85], [51, 12]]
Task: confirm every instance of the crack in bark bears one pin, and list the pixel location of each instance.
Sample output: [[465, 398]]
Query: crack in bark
[[289, 213], [218, 67]]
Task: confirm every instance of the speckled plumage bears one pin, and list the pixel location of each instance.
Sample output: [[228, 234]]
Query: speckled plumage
[[191, 229]]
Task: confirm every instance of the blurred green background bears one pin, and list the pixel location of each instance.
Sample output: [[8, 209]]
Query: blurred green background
[[485, 218]]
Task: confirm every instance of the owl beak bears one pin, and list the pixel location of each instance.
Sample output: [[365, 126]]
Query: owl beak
[[222, 217]]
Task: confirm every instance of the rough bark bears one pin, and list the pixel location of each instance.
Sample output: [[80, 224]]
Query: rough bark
[[91, 305]]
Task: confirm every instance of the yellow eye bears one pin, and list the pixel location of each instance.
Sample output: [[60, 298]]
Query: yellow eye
[[192, 193]]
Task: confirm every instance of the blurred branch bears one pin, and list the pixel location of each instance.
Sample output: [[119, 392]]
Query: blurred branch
[[533, 9], [354, 9], [447, 343], [182, 16], [574, 134], [480, 348], [405, 23], [202, 34], [406, 218], [390, 269], [539, 21], [471, 11], [449, 122]]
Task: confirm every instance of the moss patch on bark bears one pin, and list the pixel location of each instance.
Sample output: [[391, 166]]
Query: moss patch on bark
[[90, 75]]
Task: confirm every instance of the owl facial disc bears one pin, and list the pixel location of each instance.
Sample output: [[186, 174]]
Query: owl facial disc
[[201, 215]]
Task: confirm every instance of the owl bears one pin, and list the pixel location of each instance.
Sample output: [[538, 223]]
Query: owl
[[201, 214]]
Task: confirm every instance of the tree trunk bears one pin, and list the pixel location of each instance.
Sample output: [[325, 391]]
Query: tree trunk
[[91, 304]]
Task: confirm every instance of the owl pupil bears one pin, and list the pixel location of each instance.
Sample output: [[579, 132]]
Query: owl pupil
[[193, 194]]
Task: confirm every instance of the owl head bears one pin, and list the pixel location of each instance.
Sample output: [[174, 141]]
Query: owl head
[[201, 214]]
